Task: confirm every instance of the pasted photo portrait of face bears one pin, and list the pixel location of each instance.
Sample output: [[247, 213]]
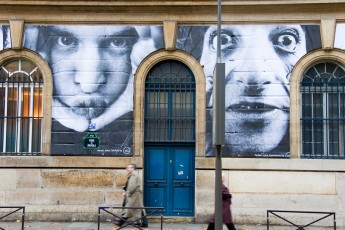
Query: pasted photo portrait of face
[[93, 69], [258, 63], [339, 41], [5, 39]]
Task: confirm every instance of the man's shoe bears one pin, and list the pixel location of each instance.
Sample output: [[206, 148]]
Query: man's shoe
[[118, 223], [141, 225]]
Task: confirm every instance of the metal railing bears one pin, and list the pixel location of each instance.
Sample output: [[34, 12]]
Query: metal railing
[[300, 227], [127, 222], [11, 212]]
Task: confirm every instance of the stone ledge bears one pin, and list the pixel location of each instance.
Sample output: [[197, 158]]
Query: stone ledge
[[271, 164], [201, 163], [68, 162]]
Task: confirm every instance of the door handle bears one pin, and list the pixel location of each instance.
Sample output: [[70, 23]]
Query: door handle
[[156, 184], [182, 184]]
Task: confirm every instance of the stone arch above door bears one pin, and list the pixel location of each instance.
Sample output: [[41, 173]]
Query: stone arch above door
[[139, 95]]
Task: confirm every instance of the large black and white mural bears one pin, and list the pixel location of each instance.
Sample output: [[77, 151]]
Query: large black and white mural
[[93, 69], [258, 62]]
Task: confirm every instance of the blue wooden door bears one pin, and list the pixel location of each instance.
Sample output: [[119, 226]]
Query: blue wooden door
[[169, 179]]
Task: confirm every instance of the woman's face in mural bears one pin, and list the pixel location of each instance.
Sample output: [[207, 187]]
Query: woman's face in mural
[[258, 63], [91, 64]]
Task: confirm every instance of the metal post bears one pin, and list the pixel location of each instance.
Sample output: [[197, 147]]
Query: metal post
[[219, 25], [268, 220], [218, 190], [218, 124], [23, 218], [161, 221], [99, 217]]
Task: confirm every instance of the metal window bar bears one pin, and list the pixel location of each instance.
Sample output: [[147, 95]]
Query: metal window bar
[[301, 227], [17, 208], [152, 210], [170, 103]]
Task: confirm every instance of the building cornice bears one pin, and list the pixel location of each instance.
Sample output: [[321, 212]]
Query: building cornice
[[184, 12], [164, 3]]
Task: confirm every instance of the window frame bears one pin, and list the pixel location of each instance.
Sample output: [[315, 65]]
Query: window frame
[[47, 90], [301, 66], [166, 126], [320, 89]]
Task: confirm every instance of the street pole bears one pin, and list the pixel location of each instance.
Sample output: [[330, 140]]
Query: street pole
[[218, 123]]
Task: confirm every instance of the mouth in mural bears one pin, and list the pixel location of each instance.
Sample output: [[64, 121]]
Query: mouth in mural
[[254, 110], [252, 107]]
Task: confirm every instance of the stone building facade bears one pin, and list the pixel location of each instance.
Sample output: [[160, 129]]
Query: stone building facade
[[279, 153]]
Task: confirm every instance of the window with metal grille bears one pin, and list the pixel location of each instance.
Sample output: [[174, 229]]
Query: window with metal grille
[[323, 111], [170, 103], [21, 85]]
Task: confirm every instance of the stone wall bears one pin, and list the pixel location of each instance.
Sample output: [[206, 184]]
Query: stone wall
[[275, 185], [75, 193], [61, 194]]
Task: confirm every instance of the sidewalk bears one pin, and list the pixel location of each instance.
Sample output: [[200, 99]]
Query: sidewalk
[[155, 226]]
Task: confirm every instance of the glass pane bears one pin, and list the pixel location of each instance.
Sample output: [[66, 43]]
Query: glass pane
[[317, 105], [307, 105], [333, 105], [11, 124], [333, 137], [330, 67], [38, 103], [2, 118], [320, 68], [24, 134], [36, 135], [25, 120], [318, 137]]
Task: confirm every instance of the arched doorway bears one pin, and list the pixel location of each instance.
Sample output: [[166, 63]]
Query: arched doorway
[[169, 138]]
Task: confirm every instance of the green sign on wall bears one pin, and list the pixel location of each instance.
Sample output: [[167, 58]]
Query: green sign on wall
[[91, 141]]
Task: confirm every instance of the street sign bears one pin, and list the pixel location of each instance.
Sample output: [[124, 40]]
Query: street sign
[[91, 141]]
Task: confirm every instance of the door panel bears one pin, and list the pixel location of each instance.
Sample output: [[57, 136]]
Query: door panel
[[155, 185], [181, 202], [182, 181], [156, 164], [169, 179], [157, 196]]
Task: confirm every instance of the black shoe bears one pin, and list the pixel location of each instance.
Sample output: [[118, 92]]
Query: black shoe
[[141, 225], [118, 223]]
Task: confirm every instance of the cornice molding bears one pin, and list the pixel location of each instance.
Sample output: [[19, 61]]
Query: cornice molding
[[164, 3], [197, 18], [184, 12]]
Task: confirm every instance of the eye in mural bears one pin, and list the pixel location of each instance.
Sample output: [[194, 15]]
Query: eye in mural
[[93, 69], [258, 63]]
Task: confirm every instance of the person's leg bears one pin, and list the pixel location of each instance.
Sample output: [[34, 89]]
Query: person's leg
[[144, 222], [231, 226], [210, 226]]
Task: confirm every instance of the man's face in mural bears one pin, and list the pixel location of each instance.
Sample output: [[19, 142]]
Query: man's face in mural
[[91, 65], [258, 63]]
